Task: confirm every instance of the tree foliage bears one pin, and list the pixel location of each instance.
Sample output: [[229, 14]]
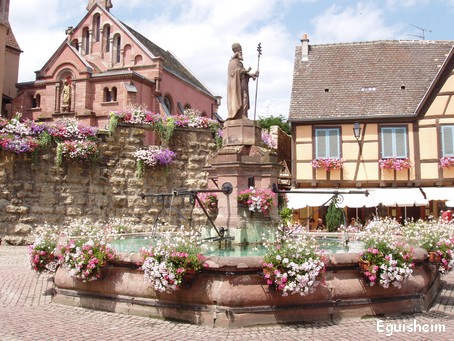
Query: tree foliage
[[334, 217], [281, 121]]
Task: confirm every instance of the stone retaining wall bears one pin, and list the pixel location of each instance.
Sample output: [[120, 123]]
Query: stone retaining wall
[[36, 191]]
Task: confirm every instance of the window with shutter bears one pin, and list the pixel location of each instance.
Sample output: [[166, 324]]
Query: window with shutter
[[394, 142], [327, 143], [447, 140]]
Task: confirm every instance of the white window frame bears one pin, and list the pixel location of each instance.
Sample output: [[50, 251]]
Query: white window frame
[[393, 140], [331, 136], [447, 140]]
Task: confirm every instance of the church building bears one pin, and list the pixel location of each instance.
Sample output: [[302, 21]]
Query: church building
[[104, 65]]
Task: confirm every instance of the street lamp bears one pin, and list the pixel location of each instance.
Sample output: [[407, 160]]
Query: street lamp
[[357, 130]]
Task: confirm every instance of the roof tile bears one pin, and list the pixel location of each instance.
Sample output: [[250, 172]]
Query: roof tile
[[364, 79]]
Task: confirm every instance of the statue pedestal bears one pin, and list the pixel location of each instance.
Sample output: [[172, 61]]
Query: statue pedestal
[[242, 161], [241, 132]]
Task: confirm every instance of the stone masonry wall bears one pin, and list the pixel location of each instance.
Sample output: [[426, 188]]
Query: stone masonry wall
[[34, 192]]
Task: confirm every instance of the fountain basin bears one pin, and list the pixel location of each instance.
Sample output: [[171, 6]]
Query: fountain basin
[[232, 293], [328, 242]]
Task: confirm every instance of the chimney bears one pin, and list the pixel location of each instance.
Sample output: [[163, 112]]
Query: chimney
[[304, 48]]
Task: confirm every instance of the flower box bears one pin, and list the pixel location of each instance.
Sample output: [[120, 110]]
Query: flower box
[[364, 265], [294, 266], [209, 200], [172, 262], [257, 200], [390, 260], [190, 273], [394, 164], [153, 156], [434, 257], [328, 164], [446, 162]]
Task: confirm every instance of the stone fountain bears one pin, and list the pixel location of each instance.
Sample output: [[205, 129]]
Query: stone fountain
[[243, 161], [231, 291]]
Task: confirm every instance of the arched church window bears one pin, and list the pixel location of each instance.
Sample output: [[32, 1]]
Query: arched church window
[[36, 101], [114, 94], [127, 53], [138, 59], [96, 26], [106, 37], [75, 44], [107, 97], [117, 48], [86, 40], [168, 104]]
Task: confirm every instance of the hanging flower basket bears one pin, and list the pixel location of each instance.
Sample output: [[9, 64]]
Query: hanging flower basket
[[328, 164]]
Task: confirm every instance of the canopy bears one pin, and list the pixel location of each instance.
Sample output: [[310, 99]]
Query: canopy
[[403, 197], [439, 193], [315, 197], [357, 197]]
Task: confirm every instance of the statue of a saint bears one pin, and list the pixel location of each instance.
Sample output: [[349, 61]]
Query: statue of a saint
[[66, 97], [238, 85]]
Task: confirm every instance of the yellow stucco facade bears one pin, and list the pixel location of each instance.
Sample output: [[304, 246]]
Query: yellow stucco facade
[[361, 157]]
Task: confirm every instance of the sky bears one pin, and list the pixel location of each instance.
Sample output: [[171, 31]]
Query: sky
[[200, 34]]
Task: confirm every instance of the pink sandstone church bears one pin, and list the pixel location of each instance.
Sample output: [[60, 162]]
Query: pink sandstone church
[[104, 65]]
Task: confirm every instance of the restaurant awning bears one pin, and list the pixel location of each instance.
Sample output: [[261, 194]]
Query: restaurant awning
[[315, 197], [438, 193], [402, 197], [352, 197]]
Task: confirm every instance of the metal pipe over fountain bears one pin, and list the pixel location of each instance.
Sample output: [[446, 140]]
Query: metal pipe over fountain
[[226, 188]]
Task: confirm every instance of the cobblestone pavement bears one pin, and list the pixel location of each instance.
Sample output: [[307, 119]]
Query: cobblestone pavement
[[27, 313]]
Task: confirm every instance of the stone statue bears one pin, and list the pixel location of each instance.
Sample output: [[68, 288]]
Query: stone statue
[[66, 97], [238, 85]]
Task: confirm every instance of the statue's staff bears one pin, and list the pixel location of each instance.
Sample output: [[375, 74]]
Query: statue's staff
[[259, 50]]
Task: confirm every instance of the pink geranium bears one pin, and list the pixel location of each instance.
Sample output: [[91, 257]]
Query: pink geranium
[[394, 164], [328, 164]]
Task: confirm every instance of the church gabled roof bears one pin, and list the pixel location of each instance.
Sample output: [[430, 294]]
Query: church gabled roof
[[11, 40], [65, 45], [171, 63], [367, 79]]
